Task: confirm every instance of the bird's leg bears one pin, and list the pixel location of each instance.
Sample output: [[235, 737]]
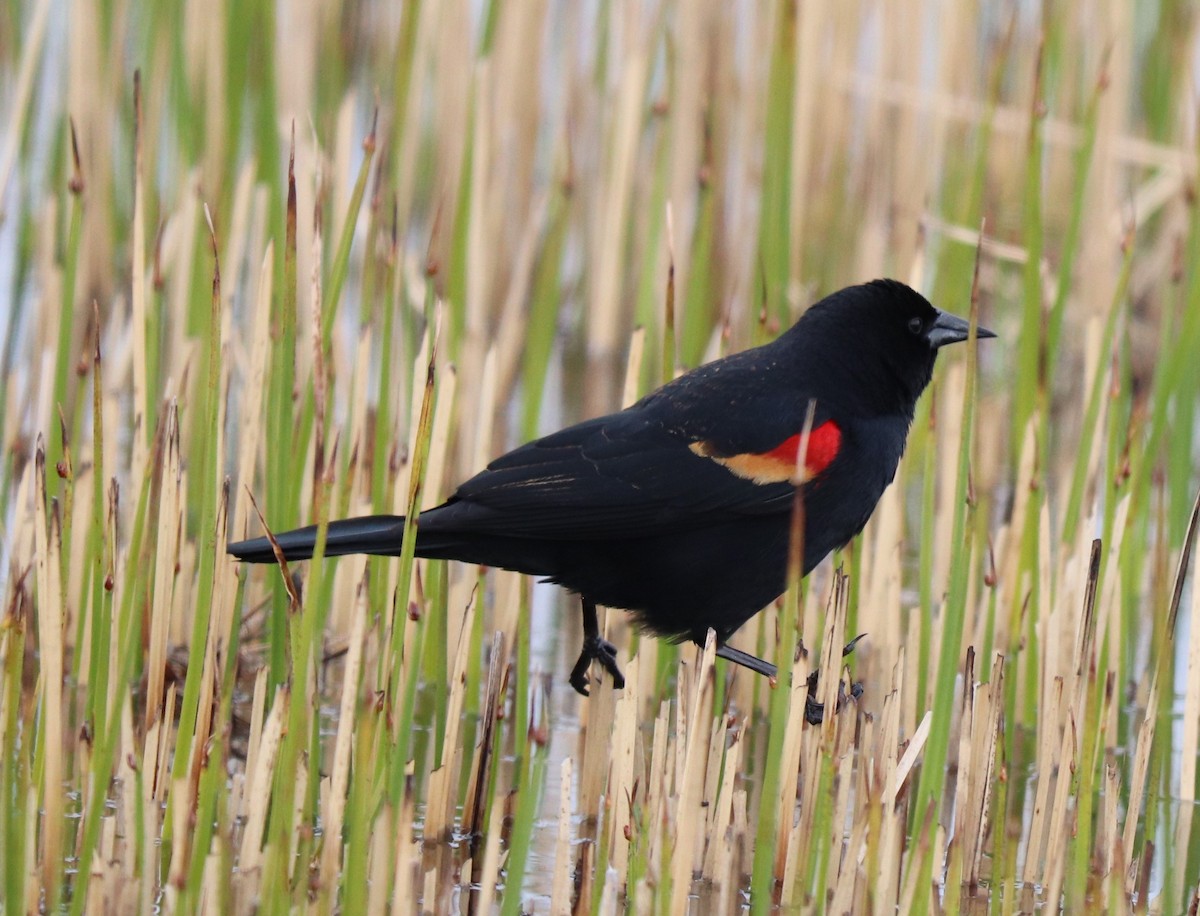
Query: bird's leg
[[595, 648], [745, 659], [814, 711]]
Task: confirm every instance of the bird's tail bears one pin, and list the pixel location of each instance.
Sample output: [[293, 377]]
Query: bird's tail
[[375, 534]]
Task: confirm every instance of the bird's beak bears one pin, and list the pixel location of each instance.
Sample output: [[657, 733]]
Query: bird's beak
[[948, 329]]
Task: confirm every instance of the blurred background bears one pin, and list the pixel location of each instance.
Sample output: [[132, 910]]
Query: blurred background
[[246, 248]]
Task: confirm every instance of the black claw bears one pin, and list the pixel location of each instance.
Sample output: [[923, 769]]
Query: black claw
[[579, 678], [849, 647], [607, 658], [597, 649], [814, 712]]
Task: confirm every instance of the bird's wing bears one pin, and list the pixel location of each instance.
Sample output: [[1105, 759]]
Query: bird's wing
[[635, 473]]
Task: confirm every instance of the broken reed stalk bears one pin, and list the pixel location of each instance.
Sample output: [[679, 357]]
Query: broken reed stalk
[[541, 221]]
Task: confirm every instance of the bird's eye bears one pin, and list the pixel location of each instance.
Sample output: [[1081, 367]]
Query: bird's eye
[[915, 325]]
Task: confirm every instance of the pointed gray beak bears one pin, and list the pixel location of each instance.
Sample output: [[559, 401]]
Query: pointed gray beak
[[948, 329]]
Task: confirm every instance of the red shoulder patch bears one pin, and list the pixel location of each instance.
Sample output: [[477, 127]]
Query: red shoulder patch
[[823, 445], [779, 464]]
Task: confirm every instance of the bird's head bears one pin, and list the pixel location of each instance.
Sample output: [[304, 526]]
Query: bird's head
[[878, 341]]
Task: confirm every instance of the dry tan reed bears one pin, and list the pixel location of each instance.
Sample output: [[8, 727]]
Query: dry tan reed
[[319, 259]]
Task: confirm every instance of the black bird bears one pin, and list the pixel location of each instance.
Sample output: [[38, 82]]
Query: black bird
[[678, 508]]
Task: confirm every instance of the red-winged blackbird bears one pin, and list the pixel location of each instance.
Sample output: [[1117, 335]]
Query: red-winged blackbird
[[678, 508]]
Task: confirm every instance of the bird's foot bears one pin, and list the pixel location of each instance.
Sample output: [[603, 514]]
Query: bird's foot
[[814, 711], [598, 649]]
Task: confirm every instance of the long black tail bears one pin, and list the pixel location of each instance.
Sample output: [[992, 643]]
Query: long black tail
[[376, 534]]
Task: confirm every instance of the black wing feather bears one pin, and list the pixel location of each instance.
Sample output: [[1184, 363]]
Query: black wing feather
[[629, 474]]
